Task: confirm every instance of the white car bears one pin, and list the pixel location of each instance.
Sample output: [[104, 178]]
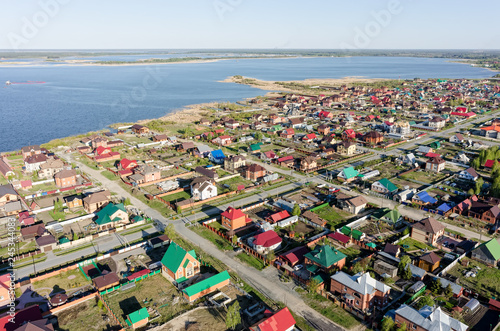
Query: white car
[[298, 267]]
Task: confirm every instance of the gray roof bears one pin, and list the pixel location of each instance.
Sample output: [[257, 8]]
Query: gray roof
[[431, 319], [454, 287], [13, 206], [7, 189], [204, 149], [361, 283], [415, 271]]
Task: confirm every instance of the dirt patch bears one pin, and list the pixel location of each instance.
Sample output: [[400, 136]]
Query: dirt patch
[[85, 316], [203, 319]]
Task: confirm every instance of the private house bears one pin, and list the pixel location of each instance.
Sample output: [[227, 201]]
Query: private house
[[231, 124], [314, 218], [33, 231], [348, 175], [282, 320], [295, 255], [427, 231], [360, 291], [287, 133], [384, 186], [111, 215], [206, 286], [423, 198], [207, 172], [353, 205], [179, 265], [11, 208], [94, 201], [104, 154], [436, 123], [384, 268], [491, 131], [186, 147], [286, 161], [106, 281], [160, 138], [487, 253], [7, 195], [457, 138], [254, 172], [323, 129], [224, 140], [33, 163], [138, 318], [390, 216], [46, 242], [74, 201], [426, 319], [217, 156], [325, 257], [279, 216], [31, 150], [348, 135], [202, 151], [435, 164], [234, 219], [373, 138], [308, 138], [139, 129], [50, 168], [5, 169], [429, 262], [346, 148], [296, 122], [268, 156], [65, 178], [394, 250], [265, 242], [308, 163], [483, 211], [203, 188], [98, 141], [469, 174], [145, 174], [461, 158], [234, 162]]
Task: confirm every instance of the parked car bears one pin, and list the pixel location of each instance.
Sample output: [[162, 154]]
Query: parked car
[[298, 267]]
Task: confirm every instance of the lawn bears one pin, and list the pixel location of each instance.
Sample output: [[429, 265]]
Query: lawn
[[22, 247], [179, 196], [235, 180], [332, 215], [68, 281], [413, 245], [109, 175], [351, 252], [155, 292], [86, 316], [251, 260], [425, 176], [487, 281], [330, 310], [217, 240]]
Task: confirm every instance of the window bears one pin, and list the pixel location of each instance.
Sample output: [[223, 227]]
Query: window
[[357, 295], [345, 288], [414, 326], [357, 303]]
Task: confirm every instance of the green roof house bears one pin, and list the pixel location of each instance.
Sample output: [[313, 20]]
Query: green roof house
[[436, 145], [138, 318], [111, 215], [178, 264], [353, 233], [384, 186], [137, 218], [206, 286], [348, 174], [390, 216], [255, 147], [487, 253], [325, 257]]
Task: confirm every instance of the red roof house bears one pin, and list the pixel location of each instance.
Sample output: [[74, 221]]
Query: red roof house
[[101, 150], [489, 163], [282, 320], [340, 237], [267, 239], [279, 216], [138, 274], [128, 164]]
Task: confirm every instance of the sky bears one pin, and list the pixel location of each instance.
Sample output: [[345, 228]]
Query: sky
[[246, 24]]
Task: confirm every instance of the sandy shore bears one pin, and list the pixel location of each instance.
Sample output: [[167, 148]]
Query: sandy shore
[[188, 114]]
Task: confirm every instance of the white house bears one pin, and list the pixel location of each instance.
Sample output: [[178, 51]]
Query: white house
[[436, 123], [33, 163], [405, 195], [468, 174], [265, 242], [461, 158], [457, 138], [203, 188]]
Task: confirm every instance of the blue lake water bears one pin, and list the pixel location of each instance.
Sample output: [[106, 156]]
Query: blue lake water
[[78, 99]]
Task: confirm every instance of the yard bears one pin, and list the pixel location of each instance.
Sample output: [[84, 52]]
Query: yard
[[330, 310], [486, 283], [351, 252], [388, 170], [413, 245], [68, 282], [85, 317], [155, 292], [203, 319], [425, 176], [109, 175], [251, 260], [333, 215], [179, 196], [217, 240]]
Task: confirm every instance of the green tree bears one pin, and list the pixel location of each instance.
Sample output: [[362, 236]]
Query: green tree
[[127, 202], [313, 285], [406, 231], [387, 324], [448, 291], [170, 231], [296, 210], [270, 256], [233, 316], [425, 300], [436, 286], [234, 239], [476, 163], [357, 267], [405, 259], [258, 136], [471, 192]]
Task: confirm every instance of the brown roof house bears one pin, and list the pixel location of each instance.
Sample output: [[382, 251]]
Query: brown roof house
[[429, 262], [232, 163], [46, 243], [428, 231], [65, 178], [50, 168], [254, 172], [435, 164], [33, 231], [354, 205], [373, 138], [139, 129], [94, 201], [30, 150], [308, 163], [7, 194], [345, 148], [106, 281]]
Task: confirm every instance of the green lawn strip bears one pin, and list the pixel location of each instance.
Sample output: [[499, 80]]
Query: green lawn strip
[[31, 246], [414, 244], [251, 260], [177, 196], [137, 229], [109, 175], [330, 310], [59, 252], [217, 240], [29, 260]]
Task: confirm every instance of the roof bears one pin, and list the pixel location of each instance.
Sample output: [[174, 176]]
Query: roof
[[125, 163], [37, 229], [66, 173], [425, 197], [7, 189], [138, 274], [339, 237], [357, 201], [174, 256], [218, 154], [207, 283], [325, 255], [4, 168], [431, 258], [349, 172], [45, 240], [106, 280], [204, 149], [104, 215], [429, 224], [392, 249], [491, 249], [267, 239], [489, 163], [256, 168], [296, 254], [444, 207], [137, 316], [436, 160], [430, 318], [361, 283], [391, 215], [97, 197], [30, 314], [388, 185], [276, 217], [282, 320], [232, 213]]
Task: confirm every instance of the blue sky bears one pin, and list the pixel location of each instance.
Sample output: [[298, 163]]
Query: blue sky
[[326, 24]]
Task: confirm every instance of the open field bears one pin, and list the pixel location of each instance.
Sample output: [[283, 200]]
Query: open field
[[487, 281], [69, 281], [425, 176], [333, 215], [204, 319]]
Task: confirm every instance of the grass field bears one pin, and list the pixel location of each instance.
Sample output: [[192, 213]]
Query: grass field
[[154, 291], [332, 215], [109, 175], [330, 310], [251, 260], [424, 176], [68, 281], [177, 196], [217, 240], [414, 245], [86, 316], [487, 281]]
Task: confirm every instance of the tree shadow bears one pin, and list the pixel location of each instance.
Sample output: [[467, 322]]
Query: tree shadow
[[56, 289]]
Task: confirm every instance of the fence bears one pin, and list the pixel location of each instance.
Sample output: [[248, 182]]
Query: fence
[[135, 280], [166, 178], [451, 265], [109, 310], [328, 165]]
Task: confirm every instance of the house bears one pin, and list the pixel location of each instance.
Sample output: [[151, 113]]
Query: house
[[255, 148], [111, 215], [360, 291], [279, 216], [487, 253], [469, 174], [429, 262], [314, 218], [254, 172], [435, 164], [265, 242], [384, 186], [295, 255], [352, 233], [490, 131], [145, 174], [65, 178], [323, 129], [12, 208], [427, 231], [206, 286], [390, 216], [33, 231], [308, 163], [436, 123], [424, 150], [423, 198], [217, 156], [7, 194], [202, 151], [96, 200], [74, 201], [427, 319], [178, 264], [282, 320], [186, 147], [203, 188], [231, 124], [346, 148], [160, 138], [207, 172], [296, 122], [325, 257], [101, 150], [484, 211], [31, 150], [308, 138], [50, 168], [461, 158], [106, 281], [457, 138], [287, 133], [347, 175], [286, 161], [5, 169], [348, 135], [107, 155], [33, 163], [139, 129], [394, 250], [373, 138], [234, 219], [46, 242], [223, 140], [138, 318], [385, 269], [268, 156], [232, 163], [126, 164], [353, 205]]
